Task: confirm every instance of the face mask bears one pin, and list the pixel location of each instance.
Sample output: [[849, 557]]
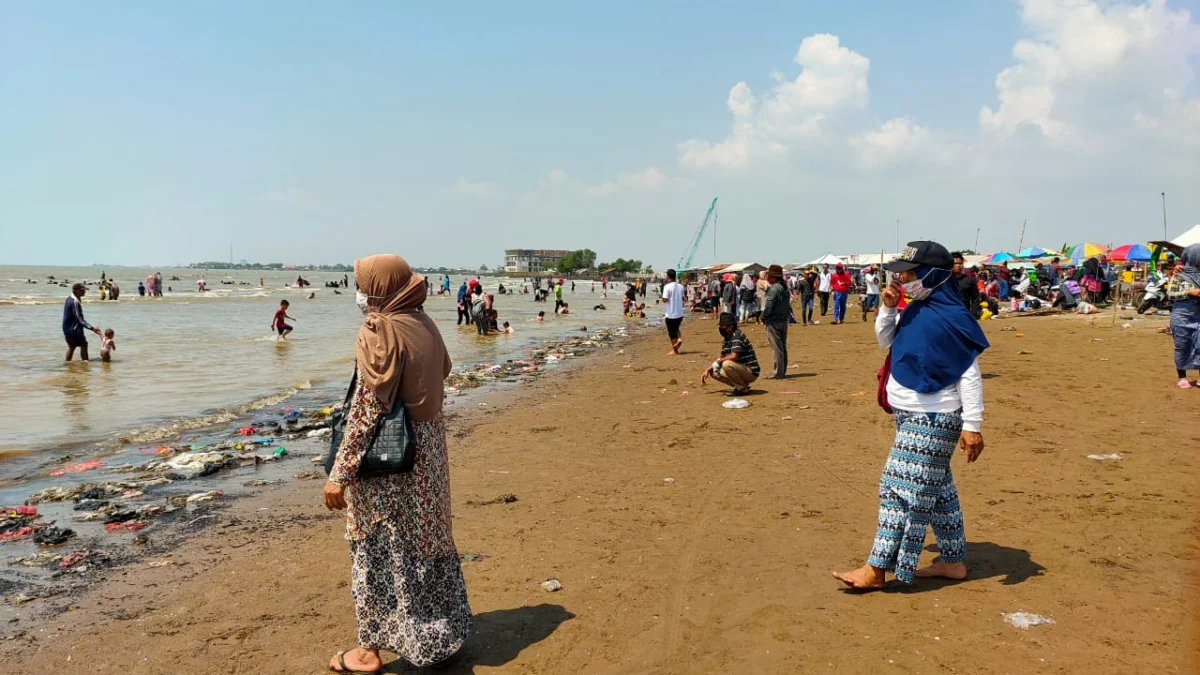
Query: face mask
[[360, 299], [917, 290]]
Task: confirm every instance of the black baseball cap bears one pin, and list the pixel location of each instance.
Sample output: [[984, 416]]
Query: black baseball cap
[[919, 253]]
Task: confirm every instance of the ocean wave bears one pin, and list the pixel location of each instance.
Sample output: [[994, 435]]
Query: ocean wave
[[175, 428]]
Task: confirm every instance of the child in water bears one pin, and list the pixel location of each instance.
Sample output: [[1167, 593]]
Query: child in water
[[107, 345], [541, 316], [507, 329], [279, 323]]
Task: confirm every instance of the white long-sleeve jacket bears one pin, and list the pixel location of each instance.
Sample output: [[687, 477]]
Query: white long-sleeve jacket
[[967, 393]]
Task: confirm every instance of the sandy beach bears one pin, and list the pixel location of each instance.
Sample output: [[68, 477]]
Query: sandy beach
[[689, 538]]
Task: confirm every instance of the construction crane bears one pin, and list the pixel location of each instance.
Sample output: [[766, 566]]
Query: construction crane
[[711, 216]]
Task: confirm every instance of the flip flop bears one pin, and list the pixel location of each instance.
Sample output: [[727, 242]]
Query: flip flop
[[1184, 384], [343, 668]]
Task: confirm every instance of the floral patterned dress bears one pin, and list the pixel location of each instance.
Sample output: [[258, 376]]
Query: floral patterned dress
[[406, 580]]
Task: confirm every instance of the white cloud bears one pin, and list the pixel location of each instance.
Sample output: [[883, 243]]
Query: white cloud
[[559, 183], [475, 190], [646, 180], [902, 140], [832, 79], [293, 197], [1088, 69]]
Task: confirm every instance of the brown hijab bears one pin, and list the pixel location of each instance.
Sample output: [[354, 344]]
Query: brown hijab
[[400, 351]]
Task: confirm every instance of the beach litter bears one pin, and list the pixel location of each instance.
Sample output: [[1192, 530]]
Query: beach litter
[[130, 526], [52, 535], [195, 464], [42, 559], [77, 468], [1112, 456], [551, 585], [311, 474], [204, 496], [736, 404], [1025, 620], [502, 499], [668, 480]]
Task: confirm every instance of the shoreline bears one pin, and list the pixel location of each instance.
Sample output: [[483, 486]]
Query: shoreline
[[132, 480], [725, 566]]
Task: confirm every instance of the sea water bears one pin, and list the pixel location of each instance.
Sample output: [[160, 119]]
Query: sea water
[[190, 359]]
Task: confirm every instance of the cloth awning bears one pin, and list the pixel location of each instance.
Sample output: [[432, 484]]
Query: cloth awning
[[827, 259]]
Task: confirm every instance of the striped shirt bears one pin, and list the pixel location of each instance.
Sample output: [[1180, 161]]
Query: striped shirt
[[737, 343]]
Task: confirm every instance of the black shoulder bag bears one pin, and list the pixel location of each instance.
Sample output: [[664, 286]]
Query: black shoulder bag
[[392, 447]]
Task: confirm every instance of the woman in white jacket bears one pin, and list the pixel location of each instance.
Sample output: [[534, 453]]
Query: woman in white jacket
[[936, 393]]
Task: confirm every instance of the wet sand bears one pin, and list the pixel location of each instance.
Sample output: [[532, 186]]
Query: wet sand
[[725, 568]]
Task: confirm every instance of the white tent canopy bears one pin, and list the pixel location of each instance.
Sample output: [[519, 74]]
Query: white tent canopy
[[864, 259], [751, 267], [1188, 238], [827, 259]]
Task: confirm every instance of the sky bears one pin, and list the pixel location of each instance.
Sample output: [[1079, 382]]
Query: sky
[[162, 133]]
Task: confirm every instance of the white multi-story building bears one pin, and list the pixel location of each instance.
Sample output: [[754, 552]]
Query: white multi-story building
[[528, 260]]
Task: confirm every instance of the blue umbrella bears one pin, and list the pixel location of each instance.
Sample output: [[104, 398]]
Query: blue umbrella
[[1033, 252], [1000, 257]]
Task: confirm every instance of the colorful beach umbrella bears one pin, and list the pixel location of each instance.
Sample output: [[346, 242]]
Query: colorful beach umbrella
[[1131, 253], [999, 258], [1033, 252], [1086, 250]]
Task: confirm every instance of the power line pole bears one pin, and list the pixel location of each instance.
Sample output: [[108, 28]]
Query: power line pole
[[976, 249], [1164, 200], [897, 234]]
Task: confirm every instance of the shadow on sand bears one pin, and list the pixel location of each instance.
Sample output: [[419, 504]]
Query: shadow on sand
[[985, 560], [497, 638]]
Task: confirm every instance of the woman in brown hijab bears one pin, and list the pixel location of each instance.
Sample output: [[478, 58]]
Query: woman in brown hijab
[[406, 581]]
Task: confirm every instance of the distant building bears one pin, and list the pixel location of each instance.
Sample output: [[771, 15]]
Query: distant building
[[528, 260]]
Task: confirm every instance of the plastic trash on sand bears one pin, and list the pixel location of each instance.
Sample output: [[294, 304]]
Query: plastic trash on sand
[[77, 468], [204, 496], [736, 404], [552, 585], [1024, 620], [1113, 456]]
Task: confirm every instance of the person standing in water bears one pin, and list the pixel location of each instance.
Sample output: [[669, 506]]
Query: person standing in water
[[464, 308], [279, 323], [73, 323]]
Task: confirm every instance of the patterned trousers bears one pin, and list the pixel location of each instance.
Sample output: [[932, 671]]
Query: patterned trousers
[[916, 492]]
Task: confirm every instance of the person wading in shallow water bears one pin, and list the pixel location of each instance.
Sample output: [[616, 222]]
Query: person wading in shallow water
[[936, 393], [73, 323], [405, 577]]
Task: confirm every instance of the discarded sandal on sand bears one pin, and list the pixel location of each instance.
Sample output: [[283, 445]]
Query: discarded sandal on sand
[[343, 668]]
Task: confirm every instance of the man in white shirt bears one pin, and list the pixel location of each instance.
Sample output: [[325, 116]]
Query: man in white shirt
[[824, 288], [672, 295], [871, 281]]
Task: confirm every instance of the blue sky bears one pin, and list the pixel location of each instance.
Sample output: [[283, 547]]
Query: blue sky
[[157, 133]]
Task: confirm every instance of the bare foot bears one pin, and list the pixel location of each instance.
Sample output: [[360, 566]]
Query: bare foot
[[356, 660], [863, 578], [945, 570]]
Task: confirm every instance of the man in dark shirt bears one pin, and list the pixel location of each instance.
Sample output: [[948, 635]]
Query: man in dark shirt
[[73, 323], [775, 312], [968, 291], [737, 366]]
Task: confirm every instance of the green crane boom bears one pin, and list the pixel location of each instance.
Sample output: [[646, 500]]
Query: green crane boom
[[686, 261]]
